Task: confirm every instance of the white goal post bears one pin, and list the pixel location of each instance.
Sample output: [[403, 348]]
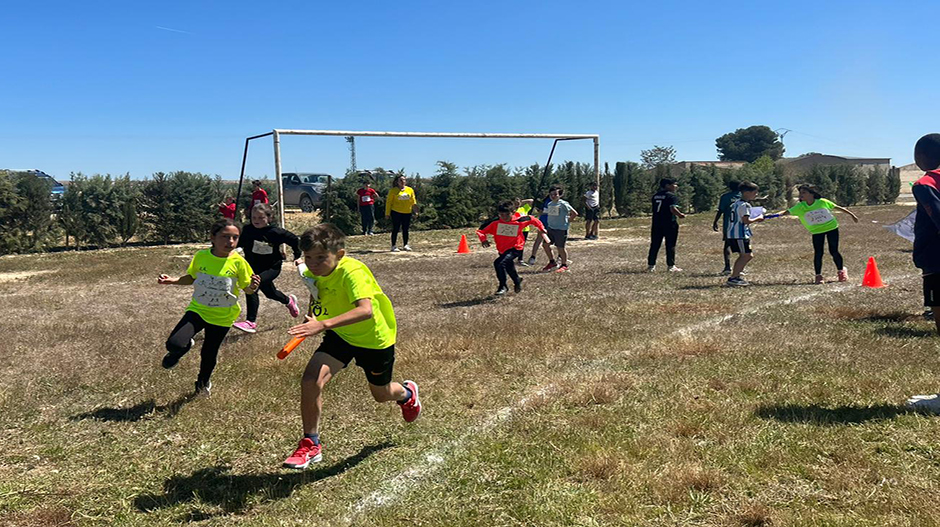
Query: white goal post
[[277, 133]]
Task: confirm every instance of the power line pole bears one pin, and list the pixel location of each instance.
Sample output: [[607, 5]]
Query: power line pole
[[351, 139]]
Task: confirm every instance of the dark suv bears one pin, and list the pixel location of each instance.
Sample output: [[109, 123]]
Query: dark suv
[[303, 189]]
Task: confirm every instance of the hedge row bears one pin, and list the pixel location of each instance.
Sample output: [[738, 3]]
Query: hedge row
[[100, 211]]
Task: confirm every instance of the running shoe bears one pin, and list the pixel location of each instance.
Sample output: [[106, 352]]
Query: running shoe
[[502, 290], [819, 279], [517, 288], [843, 275], [203, 390], [251, 327], [674, 269], [395, 249], [548, 267], [406, 247], [738, 282], [292, 306], [562, 269], [650, 268], [725, 272], [306, 453], [411, 409], [531, 260]]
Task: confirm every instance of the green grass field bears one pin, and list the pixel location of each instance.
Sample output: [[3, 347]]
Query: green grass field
[[605, 396]]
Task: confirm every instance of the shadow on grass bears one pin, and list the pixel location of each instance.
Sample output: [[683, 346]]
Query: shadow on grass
[[469, 303], [136, 412], [905, 332], [820, 415], [629, 271], [893, 316], [232, 492]]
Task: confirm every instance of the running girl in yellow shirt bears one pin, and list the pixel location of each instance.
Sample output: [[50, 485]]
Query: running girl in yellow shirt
[[217, 274]]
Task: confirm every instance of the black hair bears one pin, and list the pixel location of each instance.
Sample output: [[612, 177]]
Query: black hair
[[256, 182], [812, 189], [927, 152], [395, 181], [504, 206], [666, 181], [746, 186], [223, 223], [558, 187], [733, 185]]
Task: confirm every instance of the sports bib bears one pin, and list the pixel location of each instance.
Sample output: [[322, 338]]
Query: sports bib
[[260, 247], [507, 229], [554, 210], [214, 291], [818, 217], [367, 199], [404, 196]]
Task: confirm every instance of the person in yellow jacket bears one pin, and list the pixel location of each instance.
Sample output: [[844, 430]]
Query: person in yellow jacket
[[400, 205]]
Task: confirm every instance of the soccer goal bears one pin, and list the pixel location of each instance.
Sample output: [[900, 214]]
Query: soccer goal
[[277, 133]]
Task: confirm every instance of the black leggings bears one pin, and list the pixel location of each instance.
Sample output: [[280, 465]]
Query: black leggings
[[186, 329], [269, 290], [504, 265], [400, 221], [367, 213], [818, 241], [671, 233]]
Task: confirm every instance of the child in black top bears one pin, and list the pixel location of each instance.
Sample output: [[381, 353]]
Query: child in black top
[[665, 224], [261, 242]]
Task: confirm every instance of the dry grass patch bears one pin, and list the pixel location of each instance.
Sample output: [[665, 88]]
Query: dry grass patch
[[676, 484], [598, 466], [754, 515]]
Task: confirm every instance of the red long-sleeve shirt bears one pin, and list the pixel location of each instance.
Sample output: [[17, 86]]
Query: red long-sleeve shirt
[[508, 234]]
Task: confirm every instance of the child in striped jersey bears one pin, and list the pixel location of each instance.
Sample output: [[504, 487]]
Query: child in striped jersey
[[738, 237]]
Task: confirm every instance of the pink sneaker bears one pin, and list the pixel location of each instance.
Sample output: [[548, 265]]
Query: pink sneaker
[[292, 306], [306, 453], [246, 326], [549, 266], [843, 275], [411, 409]]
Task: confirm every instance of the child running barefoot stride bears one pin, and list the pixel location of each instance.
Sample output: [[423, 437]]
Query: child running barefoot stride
[[508, 233], [261, 242], [217, 275], [357, 321], [813, 211]]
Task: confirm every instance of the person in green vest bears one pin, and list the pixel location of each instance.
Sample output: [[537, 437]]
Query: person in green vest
[[815, 214]]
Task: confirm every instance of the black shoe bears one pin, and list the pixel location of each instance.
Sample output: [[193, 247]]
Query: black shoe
[[502, 290], [928, 314], [170, 360], [517, 288]]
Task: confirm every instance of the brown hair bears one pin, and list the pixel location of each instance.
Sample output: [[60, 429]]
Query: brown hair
[[266, 209], [323, 236], [221, 224], [812, 189]]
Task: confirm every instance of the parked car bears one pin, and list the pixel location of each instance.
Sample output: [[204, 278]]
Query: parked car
[[56, 189], [303, 189]]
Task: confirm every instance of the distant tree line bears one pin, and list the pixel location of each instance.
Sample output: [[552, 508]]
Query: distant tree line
[[102, 210]]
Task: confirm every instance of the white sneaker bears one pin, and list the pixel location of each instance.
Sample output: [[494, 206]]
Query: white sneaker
[[531, 260], [925, 403], [406, 247], [203, 390], [650, 269], [395, 249], [675, 269]]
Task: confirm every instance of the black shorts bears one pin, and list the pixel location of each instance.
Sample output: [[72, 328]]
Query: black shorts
[[557, 237], [376, 363], [932, 290], [738, 245], [592, 214]]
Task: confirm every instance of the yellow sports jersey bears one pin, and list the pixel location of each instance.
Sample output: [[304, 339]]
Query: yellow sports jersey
[[400, 200], [218, 281], [335, 294]]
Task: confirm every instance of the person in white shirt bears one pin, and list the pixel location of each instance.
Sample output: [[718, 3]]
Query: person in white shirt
[[592, 212]]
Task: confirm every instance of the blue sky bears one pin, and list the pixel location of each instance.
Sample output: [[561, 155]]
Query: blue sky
[[108, 87]]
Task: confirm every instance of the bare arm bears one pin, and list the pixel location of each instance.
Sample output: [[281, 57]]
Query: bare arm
[[312, 326], [183, 280]]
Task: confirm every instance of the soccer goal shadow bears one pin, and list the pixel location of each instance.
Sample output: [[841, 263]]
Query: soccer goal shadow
[[233, 493], [137, 412], [820, 415]]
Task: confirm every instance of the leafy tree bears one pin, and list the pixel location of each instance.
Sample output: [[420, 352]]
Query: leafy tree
[[607, 190], [71, 216], [157, 207], [706, 187], [10, 209], [126, 195], [658, 155], [35, 210], [893, 185], [749, 144], [877, 186]]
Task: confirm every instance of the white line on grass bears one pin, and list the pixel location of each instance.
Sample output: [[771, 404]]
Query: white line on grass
[[391, 490]]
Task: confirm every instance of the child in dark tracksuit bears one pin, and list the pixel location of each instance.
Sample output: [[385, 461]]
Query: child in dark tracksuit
[[261, 242]]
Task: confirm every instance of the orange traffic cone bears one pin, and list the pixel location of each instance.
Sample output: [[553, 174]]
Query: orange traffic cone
[[872, 277], [463, 248]]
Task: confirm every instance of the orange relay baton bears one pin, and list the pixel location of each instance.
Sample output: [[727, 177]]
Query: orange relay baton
[[289, 347]]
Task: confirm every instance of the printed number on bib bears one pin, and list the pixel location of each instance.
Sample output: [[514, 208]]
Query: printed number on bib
[[818, 217], [214, 291], [260, 247], [367, 199], [505, 229], [554, 210]]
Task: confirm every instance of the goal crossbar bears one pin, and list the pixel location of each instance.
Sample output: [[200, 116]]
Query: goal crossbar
[[277, 133]]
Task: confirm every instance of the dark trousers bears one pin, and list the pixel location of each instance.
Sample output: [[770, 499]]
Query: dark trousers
[[818, 241], [186, 329], [367, 212], [400, 221], [504, 265], [670, 232], [269, 289]]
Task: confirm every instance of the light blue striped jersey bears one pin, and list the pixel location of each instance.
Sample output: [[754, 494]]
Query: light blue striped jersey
[[737, 230]]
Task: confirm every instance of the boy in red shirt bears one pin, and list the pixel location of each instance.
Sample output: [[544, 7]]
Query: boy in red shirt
[[367, 197], [510, 242], [258, 195]]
